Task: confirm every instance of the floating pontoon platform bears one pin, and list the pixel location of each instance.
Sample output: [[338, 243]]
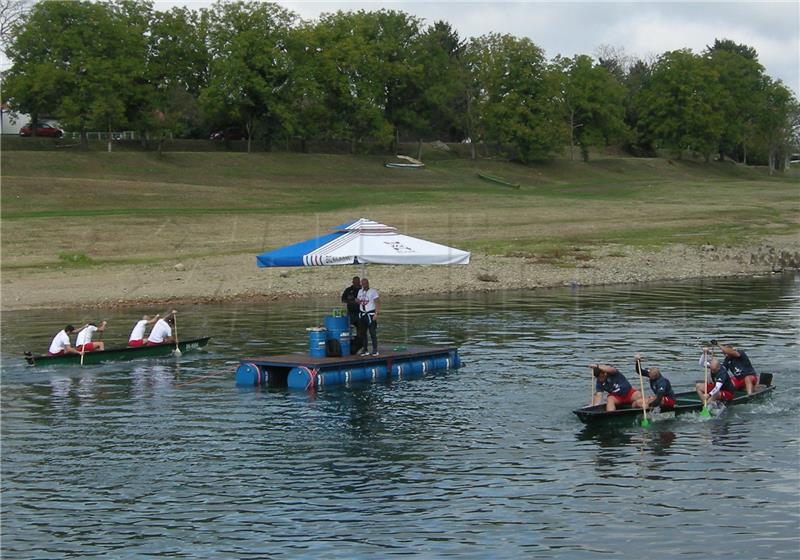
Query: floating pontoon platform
[[301, 371]]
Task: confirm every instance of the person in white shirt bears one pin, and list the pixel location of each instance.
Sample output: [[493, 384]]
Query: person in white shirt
[[368, 305], [60, 344], [137, 334], [84, 341], [162, 330]]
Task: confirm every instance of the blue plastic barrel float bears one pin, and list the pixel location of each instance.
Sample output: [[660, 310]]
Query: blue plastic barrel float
[[248, 374], [345, 373], [316, 342]]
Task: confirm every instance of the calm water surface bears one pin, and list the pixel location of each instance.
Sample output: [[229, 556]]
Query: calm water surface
[[170, 459]]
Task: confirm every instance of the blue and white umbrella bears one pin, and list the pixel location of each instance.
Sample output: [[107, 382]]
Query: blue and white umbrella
[[363, 242]]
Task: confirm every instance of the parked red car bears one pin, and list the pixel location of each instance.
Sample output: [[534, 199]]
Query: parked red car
[[43, 129], [230, 133]]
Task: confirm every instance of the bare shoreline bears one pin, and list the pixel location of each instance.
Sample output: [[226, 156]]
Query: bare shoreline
[[235, 278]]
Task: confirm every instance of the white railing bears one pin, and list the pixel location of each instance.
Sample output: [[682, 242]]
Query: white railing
[[116, 135]]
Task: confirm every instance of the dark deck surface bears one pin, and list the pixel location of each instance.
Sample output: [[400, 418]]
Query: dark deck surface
[[387, 353]]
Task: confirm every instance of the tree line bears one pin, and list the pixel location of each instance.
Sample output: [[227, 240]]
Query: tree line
[[382, 76]]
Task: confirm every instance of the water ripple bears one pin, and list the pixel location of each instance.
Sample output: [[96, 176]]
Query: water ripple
[[154, 459]]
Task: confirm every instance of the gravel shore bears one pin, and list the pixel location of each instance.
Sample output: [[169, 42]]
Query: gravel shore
[[236, 278]]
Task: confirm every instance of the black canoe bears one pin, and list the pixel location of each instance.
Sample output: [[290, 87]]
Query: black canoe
[[118, 354], [687, 401]]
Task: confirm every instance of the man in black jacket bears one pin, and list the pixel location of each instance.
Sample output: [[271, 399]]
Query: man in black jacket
[[349, 297]]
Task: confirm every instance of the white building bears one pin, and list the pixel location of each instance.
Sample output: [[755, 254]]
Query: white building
[[10, 123]]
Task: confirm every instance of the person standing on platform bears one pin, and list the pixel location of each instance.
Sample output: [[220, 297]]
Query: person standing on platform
[[350, 297], [369, 305], [83, 343], [137, 334]]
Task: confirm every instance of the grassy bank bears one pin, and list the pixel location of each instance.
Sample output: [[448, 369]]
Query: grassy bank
[[95, 209]]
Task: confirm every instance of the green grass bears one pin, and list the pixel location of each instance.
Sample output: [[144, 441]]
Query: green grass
[[112, 203], [75, 260]]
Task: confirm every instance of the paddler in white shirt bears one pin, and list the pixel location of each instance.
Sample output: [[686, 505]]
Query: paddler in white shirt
[[137, 337], [162, 330], [84, 341], [61, 344]]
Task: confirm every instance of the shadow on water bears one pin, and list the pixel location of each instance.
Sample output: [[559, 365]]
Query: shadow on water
[[658, 440]]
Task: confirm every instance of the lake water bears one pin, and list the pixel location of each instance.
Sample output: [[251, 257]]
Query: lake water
[[170, 459]]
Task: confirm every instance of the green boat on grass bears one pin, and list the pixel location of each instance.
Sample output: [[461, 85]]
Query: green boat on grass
[[687, 401], [498, 180], [118, 354]]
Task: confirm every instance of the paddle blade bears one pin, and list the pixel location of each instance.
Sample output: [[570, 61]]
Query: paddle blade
[[177, 352], [645, 423], [705, 413]]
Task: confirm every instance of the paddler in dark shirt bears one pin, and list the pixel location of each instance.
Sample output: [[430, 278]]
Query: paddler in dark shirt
[[611, 381], [743, 374], [349, 297], [663, 395], [720, 388]]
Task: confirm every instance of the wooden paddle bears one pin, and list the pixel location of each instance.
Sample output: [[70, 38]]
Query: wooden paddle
[[704, 412], [645, 421], [83, 348], [175, 323]]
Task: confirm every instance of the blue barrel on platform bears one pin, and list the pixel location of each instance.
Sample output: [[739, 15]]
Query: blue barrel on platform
[[343, 336], [316, 342], [338, 328], [333, 323], [344, 342]]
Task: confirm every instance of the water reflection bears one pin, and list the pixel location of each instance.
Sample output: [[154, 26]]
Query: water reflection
[[125, 460]]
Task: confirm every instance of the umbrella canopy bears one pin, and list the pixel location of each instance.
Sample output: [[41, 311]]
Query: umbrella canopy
[[363, 242]]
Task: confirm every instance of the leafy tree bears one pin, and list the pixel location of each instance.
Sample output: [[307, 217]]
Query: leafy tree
[[352, 76], [250, 67], [636, 80], [592, 103], [679, 108], [517, 100], [778, 123], [444, 82], [308, 110], [177, 71], [740, 80], [733, 47], [78, 60], [396, 41], [369, 68]]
